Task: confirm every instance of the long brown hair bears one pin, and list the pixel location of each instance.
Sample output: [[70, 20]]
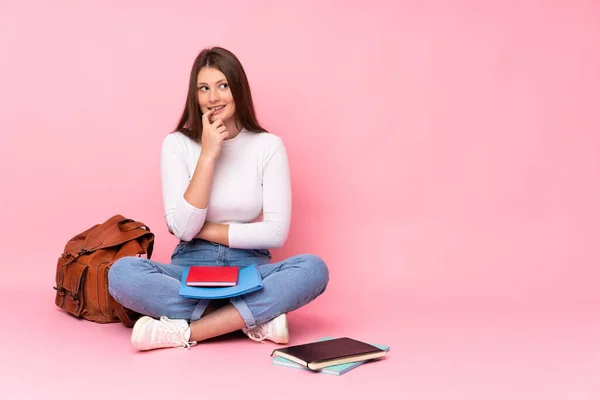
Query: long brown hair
[[190, 123]]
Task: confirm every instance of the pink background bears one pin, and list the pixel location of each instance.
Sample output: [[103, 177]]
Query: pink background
[[445, 160]]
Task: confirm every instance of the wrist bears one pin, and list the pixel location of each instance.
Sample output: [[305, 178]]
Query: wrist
[[207, 159]]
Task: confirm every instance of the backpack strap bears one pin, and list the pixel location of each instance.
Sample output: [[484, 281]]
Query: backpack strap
[[150, 249], [129, 224], [122, 314]]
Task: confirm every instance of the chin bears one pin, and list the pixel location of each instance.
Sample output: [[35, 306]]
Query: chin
[[224, 117]]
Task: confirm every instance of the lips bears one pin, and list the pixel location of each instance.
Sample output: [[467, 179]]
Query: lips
[[217, 108]]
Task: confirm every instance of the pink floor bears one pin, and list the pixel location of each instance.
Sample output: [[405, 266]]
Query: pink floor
[[439, 351]]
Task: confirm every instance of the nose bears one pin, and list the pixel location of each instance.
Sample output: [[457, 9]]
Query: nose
[[213, 96]]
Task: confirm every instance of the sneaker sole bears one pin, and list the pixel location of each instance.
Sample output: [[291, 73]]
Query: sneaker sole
[[282, 323], [136, 330]]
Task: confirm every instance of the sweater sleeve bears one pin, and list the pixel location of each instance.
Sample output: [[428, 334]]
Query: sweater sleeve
[[183, 219], [273, 230]]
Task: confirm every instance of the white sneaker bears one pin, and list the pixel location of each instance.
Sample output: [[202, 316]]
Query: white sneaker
[[149, 333], [276, 330]]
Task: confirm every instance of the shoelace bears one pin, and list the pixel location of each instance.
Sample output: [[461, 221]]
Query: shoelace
[[257, 334], [172, 333]]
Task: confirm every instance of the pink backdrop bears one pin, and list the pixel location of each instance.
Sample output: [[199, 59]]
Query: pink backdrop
[[443, 154]]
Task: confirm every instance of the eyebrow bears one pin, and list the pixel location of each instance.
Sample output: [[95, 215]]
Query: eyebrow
[[219, 81]]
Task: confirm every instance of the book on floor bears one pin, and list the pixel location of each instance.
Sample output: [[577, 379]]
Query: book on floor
[[332, 370], [321, 354], [210, 275], [249, 280]]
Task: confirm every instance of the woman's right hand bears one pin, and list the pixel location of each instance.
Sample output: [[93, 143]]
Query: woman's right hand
[[213, 135]]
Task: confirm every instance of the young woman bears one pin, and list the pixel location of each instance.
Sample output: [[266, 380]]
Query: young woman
[[227, 197]]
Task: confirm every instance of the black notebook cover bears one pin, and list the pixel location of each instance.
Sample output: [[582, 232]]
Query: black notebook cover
[[317, 352]]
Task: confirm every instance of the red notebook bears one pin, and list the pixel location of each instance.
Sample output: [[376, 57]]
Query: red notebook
[[201, 275]]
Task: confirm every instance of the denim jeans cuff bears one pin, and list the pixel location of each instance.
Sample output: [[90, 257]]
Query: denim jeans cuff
[[244, 311], [199, 310]]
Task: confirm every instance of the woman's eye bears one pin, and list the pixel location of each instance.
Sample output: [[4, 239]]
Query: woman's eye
[[202, 88], [224, 86]]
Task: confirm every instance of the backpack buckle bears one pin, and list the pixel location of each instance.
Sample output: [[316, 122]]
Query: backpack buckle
[[60, 290]]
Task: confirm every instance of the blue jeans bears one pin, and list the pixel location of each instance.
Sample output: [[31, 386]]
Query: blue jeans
[[152, 288]]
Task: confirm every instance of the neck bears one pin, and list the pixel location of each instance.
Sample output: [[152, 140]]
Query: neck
[[232, 128]]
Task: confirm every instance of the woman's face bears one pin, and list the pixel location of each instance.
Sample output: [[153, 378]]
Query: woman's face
[[214, 93]]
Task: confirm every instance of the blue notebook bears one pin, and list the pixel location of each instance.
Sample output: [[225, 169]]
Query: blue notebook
[[333, 370], [249, 280]]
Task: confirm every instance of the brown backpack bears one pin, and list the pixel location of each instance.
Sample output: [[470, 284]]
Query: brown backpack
[[82, 269]]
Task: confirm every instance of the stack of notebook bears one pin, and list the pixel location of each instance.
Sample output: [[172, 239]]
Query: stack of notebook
[[328, 355], [219, 282]]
